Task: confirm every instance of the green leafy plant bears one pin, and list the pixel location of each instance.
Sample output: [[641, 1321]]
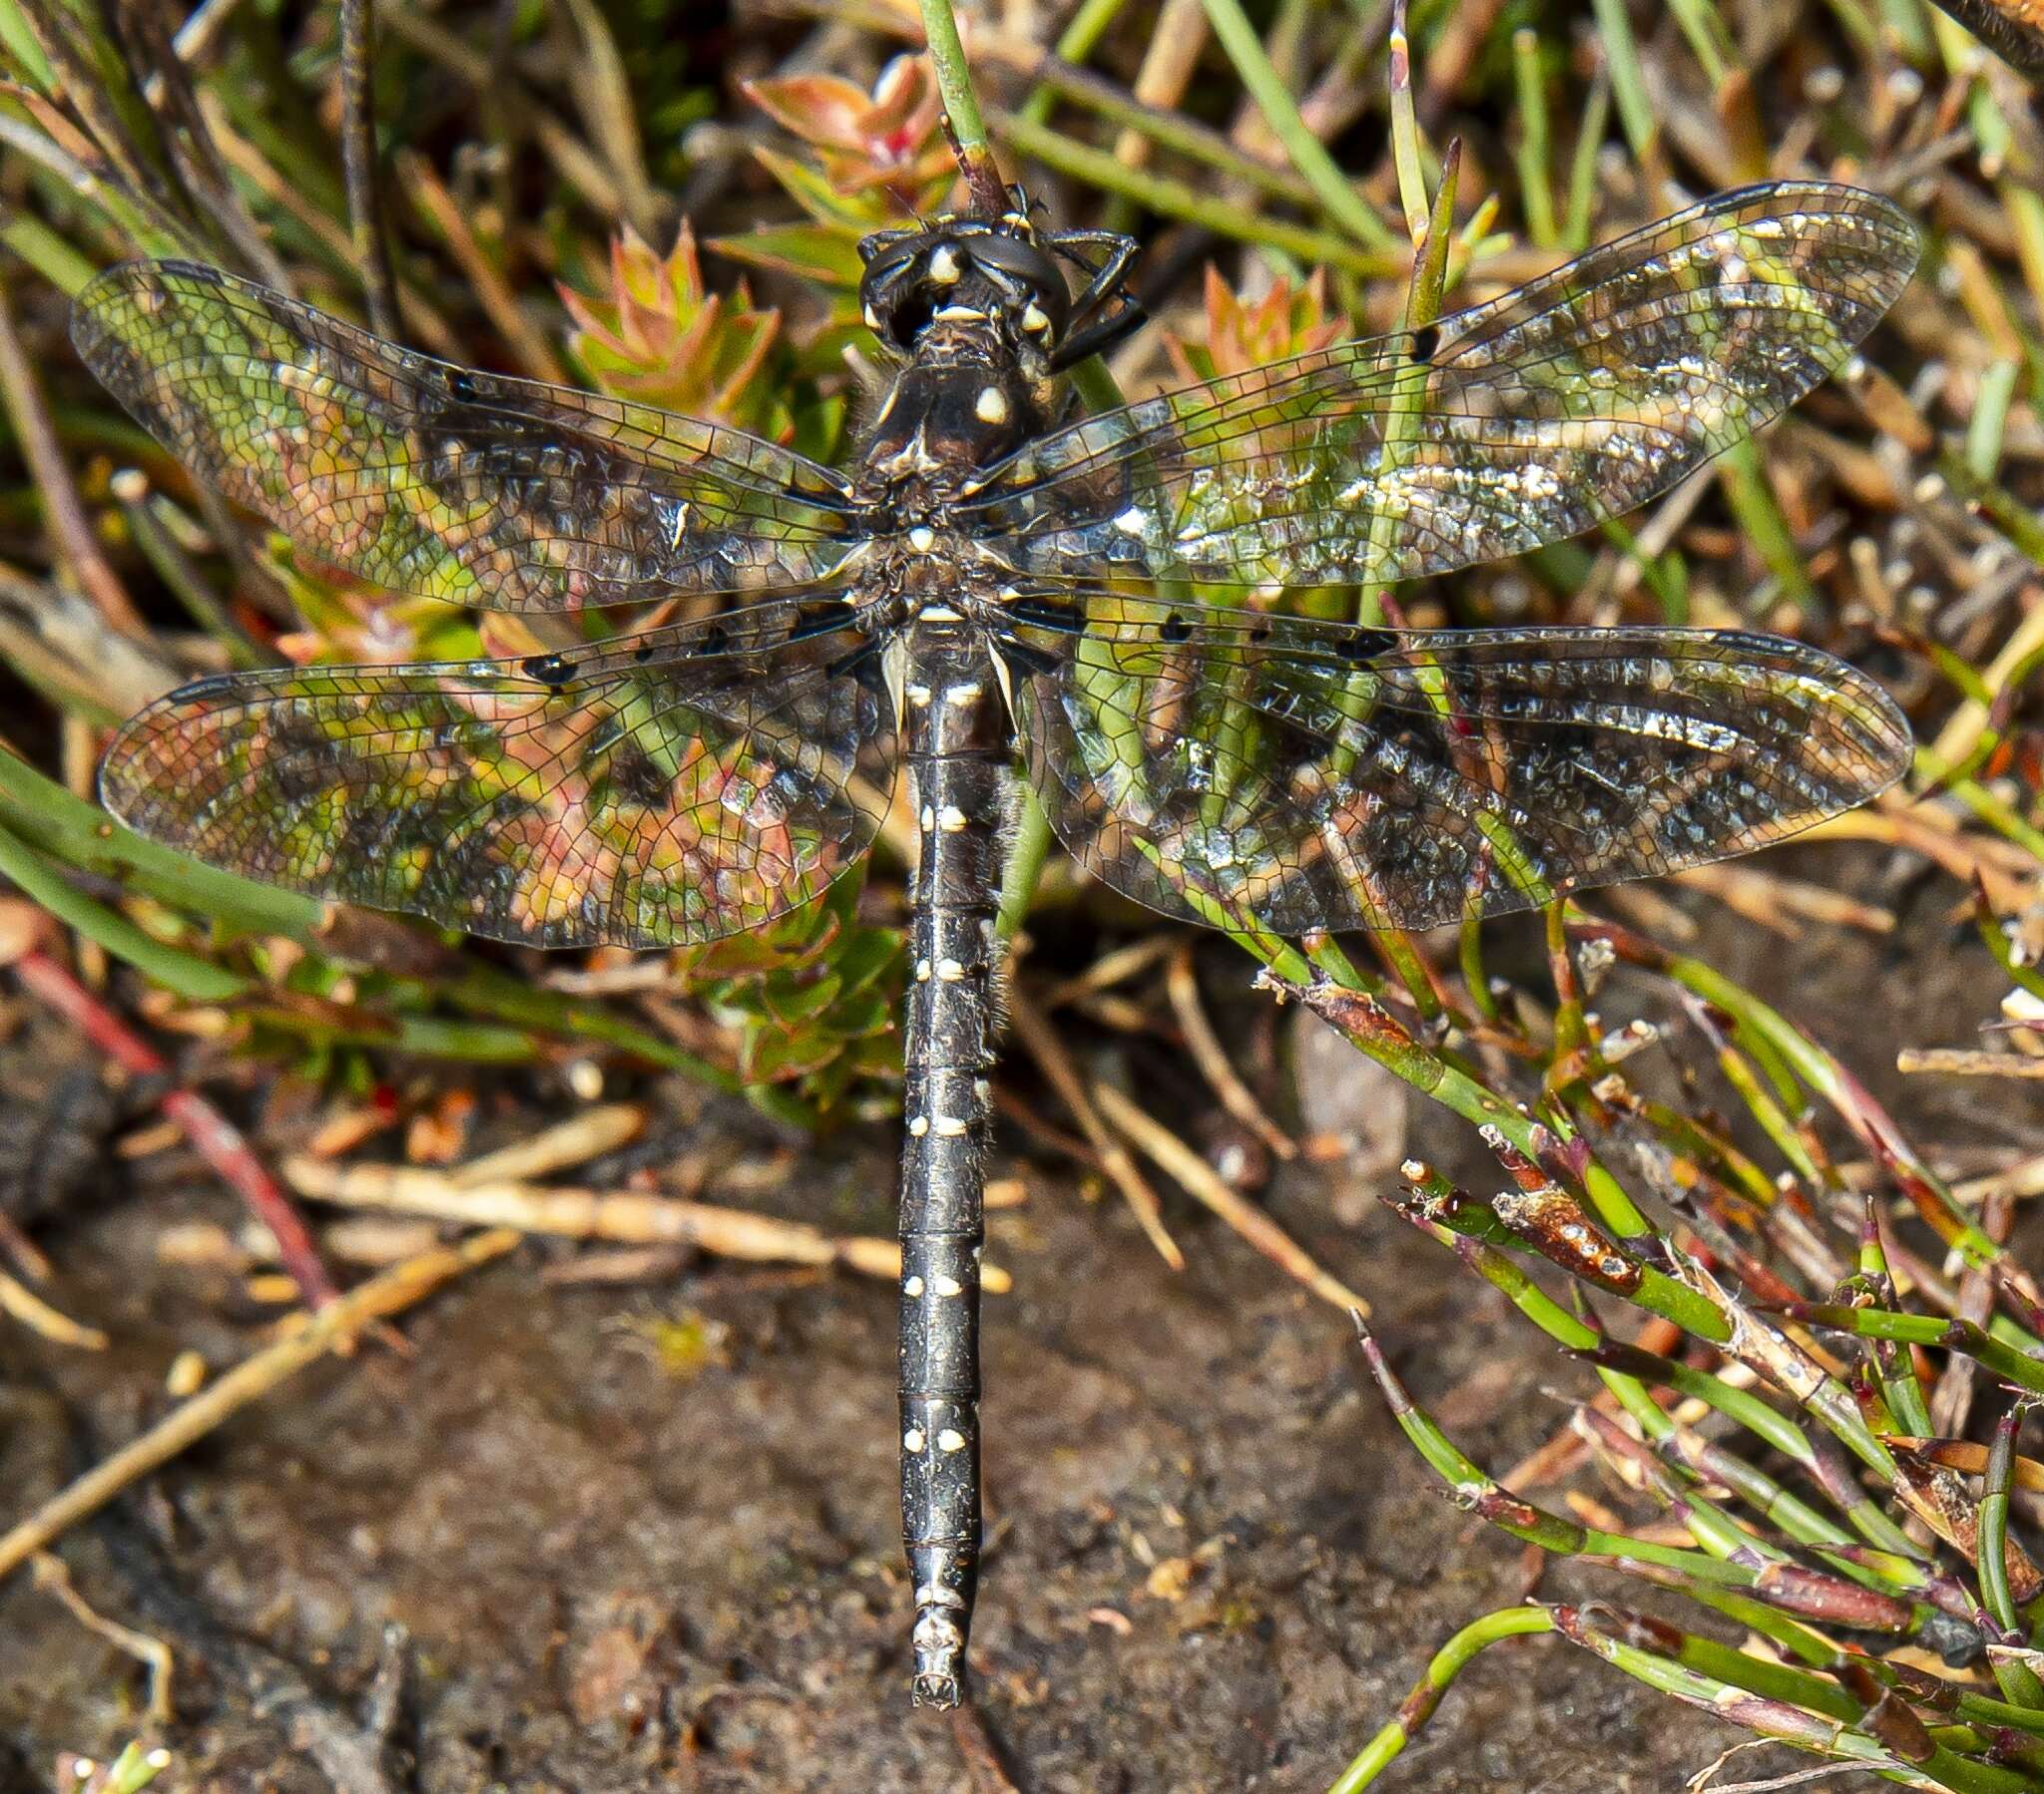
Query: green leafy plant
[[1771, 1324]]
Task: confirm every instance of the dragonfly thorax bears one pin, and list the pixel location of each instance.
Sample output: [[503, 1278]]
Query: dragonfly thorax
[[938, 426], [931, 575]]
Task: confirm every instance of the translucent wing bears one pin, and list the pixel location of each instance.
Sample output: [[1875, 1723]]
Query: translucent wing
[[1213, 764], [432, 479], [676, 786], [1517, 423]]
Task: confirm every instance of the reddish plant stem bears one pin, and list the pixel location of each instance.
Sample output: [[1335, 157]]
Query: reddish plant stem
[[217, 1139]]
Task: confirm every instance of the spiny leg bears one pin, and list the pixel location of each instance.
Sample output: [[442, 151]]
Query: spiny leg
[[1094, 329]]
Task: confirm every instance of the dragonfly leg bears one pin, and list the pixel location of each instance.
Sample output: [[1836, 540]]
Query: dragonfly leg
[[1104, 278], [1104, 311], [1098, 337]]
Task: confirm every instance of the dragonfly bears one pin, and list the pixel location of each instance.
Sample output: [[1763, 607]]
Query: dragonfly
[[995, 578]]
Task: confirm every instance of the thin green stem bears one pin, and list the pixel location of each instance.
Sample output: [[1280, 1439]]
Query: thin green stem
[[1819, 1733], [2019, 1681], [1026, 855], [1536, 193], [1346, 206], [1762, 520], [1088, 26], [1575, 233], [1981, 801], [1984, 429], [1729, 1558], [1405, 402], [1418, 1707], [134, 1769], [1741, 1406], [36, 811], [1759, 1023], [961, 109], [45, 251], [1474, 978], [1405, 131], [1704, 31], [198, 980], [1170, 131], [1894, 1365], [1996, 1355], [1628, 78], [1174, 198], [145, 512], [954, 78], [65, 826]]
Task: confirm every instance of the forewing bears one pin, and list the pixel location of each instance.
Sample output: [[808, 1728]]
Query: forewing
[[1219, 766], [1517, 423], [432, 479], [675, 787]]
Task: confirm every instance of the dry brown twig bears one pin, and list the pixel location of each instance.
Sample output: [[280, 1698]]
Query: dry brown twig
[[51, 1577], [18, 1300], [217, 1139], [1181, 984], [627, 1218], [977, 1747], [1176, 41], [423, 323], [2023, 1178], [573, 160], [535, 354], [1110, 970], [1969, 1061], [1205, 1185], [2001, 867], [1039, 1040], [1777, 903], [77, 546], [582, 1137], [358, 166]]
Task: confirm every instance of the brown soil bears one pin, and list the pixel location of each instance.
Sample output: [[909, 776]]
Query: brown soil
[[618, 1578]]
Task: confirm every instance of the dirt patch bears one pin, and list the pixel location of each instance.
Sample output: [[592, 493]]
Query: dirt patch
[[1213, 1563]]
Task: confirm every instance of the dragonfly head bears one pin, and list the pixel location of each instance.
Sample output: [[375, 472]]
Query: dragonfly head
[[967, 272]]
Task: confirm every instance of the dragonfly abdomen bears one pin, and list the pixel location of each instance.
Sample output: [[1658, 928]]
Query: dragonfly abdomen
[[957, 764]]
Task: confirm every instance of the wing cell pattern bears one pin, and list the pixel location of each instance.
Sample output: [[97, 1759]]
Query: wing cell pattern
[[444, 482], [1517, 423], [1219, 766], [672, 788]]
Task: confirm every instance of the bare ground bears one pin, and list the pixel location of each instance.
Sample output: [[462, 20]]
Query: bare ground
[[617, 1578]]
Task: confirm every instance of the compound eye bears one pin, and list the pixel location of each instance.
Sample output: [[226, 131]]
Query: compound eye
[[1032, 277]]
